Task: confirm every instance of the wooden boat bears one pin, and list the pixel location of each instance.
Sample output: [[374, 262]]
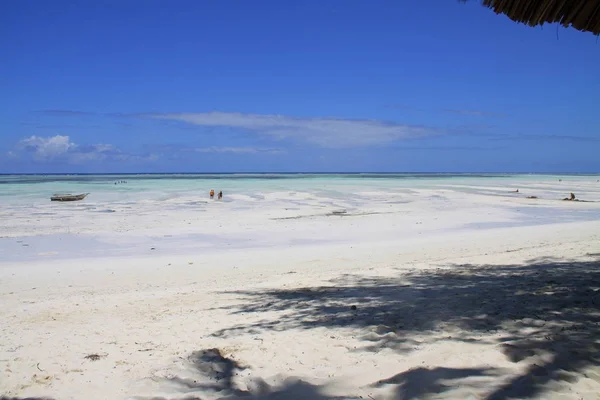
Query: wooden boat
[[68, 197]]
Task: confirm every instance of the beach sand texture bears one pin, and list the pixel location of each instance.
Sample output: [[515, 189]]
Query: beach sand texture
[[325, 288]]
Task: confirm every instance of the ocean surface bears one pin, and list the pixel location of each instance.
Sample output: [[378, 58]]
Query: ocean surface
[[125, 214], [108, 192], [154, 186]]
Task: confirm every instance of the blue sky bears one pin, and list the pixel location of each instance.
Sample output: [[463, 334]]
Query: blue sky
[[337, 85]]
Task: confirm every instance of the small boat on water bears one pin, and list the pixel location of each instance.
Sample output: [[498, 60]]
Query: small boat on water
[[68, 197]]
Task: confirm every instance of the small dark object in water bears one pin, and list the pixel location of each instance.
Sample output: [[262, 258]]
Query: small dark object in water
[[340, 212], [532, 197], [570, 198], [353, 308]]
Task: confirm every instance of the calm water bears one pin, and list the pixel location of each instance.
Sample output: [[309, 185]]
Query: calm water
[[263, 209], [107, 188]]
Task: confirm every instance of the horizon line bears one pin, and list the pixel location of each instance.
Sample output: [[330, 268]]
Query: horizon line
[[303, 173]]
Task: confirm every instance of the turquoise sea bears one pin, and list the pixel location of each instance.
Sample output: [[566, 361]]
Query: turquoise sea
[[33, 188], [272, 209]]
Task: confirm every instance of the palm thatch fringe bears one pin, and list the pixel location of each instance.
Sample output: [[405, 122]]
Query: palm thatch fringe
[[583, 15]]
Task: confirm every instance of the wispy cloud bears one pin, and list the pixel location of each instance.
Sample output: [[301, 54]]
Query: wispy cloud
[[475, 113], [451, 148], [237, 150], [324, 132], [59, 147], [573, 138], [329, 132], [56, 127], [180, 150], [403, 107], [67, 113]]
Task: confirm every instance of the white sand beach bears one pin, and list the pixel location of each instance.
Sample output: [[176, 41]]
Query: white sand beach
[[440, 290]]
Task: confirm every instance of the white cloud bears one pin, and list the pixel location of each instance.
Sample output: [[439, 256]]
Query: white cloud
[[45, 148], [324, 132], [62, 148], [237, 150]]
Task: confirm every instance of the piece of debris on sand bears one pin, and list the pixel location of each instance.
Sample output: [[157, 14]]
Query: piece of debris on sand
[[94, 356]]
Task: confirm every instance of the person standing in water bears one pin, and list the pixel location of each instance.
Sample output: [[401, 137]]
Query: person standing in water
[[212, 194], [220, 195]]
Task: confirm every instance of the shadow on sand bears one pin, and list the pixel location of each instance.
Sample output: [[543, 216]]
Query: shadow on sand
[[213, 376], [24, 398], [545, 313]]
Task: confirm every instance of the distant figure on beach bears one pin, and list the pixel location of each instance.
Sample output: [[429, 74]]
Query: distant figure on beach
[[516, 191], [570, 198], [220, 195], [212, 194]]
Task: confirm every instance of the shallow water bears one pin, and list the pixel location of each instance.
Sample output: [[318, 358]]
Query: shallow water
[[178, 200], [156, 187]]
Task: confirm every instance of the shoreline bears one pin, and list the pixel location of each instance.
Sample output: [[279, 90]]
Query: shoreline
[[446, 291], [147, 321], [143, 249]]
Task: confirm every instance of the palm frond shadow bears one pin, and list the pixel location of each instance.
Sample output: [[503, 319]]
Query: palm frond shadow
[[419, 382], [546, 307], [24, 398], [212, 375]]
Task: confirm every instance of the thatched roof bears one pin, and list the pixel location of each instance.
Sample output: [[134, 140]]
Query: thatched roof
[[583, 15]]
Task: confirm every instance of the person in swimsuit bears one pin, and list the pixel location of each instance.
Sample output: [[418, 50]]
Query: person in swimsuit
[[212, 194], [220, 195]]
